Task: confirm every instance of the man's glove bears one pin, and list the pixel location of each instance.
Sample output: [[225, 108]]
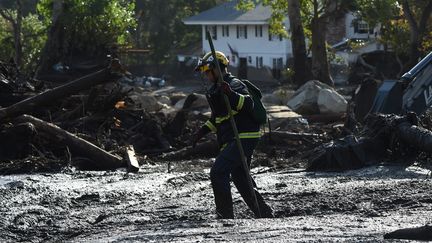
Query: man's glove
[[197, 136], [225, 88]]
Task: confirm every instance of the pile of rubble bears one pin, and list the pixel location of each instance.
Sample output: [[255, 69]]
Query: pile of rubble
[[93, 122]]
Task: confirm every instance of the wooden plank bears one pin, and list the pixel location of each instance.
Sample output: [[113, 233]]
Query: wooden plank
[[131, 159]]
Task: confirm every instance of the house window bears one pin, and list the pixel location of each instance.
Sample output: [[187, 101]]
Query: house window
[[213, 31], [225, 30], [241, 32], [249, 59], [258, 30], [274, 37], [361, 27], [259, 62]]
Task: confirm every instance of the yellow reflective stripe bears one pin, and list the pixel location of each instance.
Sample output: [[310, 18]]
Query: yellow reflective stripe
[[250, 134], [240, 102], [220, 119], [210, 125]]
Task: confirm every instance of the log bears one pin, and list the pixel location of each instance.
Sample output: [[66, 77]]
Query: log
[[131, 159], [108, 74], [78, 146]]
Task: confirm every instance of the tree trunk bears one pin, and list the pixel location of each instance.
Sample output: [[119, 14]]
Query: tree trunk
[[101, 158], [17, 36], [52, 51], [320, 65], [301, 68], [417, 31]]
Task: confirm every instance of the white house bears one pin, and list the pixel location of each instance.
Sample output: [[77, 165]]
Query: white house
[[245, 38]]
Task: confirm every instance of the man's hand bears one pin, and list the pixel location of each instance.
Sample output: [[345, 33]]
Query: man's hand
[[225, 88]]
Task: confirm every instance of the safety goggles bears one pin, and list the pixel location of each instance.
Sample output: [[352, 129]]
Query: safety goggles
[[204, 66]]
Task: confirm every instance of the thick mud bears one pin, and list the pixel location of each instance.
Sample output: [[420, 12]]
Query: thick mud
[[157, 205]]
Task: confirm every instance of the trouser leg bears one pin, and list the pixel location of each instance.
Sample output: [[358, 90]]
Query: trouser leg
[[240, 180], [220, 181], [240, 176]]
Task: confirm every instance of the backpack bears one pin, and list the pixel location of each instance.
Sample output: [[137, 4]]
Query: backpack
[[259, 112]]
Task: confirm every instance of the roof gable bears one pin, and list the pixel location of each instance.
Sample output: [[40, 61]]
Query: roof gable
[[227, 13]]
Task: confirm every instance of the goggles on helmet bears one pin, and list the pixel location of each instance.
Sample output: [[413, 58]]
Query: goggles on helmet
[[204, 66]]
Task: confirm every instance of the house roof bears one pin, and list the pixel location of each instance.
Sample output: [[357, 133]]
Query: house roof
[[226, 13]]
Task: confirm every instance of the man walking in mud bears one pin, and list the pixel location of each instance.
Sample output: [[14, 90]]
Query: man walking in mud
[[228, 162]]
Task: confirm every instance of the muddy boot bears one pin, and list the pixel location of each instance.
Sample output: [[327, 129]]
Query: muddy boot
[[265, 210]]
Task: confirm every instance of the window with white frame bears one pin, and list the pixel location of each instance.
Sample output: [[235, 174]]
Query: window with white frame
[[273, 37], [241, 32], [213, 31], [259, 62], [225, 30], [258, 30], [361, 27]]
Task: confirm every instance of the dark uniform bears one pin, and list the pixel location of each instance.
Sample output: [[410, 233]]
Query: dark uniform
[[228, 162]]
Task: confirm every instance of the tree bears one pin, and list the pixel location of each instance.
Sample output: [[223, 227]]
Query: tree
[[161, 29], [320, 11], [418, 14], [405, 25], [22, 34], [315, 16], [85, 29], [301, 66], [15, 19], [280, 9]]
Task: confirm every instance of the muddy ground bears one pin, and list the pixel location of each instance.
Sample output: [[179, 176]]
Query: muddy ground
[[173, 201], [157, 205]]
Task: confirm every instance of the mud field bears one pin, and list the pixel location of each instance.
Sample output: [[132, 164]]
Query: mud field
[[177, 205]]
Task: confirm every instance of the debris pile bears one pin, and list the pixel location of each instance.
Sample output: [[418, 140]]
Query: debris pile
[[93, 122]]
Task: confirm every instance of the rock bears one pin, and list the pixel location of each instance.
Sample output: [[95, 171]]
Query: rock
[[278, 97], [147, 102], [305, 99], [199, 103], [163, 99], [330, 102], [175, 97]]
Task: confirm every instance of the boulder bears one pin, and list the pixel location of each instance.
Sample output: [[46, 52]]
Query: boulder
[[147, 102], [331, 102], [278, 97], [305, 100]]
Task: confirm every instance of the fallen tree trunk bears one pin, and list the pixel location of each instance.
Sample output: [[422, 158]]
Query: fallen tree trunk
[[78, 146], [108, 74]]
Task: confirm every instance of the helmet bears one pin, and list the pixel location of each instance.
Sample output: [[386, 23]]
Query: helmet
[[206, 62]]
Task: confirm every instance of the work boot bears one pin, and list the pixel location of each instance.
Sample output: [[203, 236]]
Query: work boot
[[265, 211]]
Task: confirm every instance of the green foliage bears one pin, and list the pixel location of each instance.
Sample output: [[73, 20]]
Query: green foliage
[[161, 28], [395, 31], [33, 38], [279, 13], [93, 26], [6, 40]]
